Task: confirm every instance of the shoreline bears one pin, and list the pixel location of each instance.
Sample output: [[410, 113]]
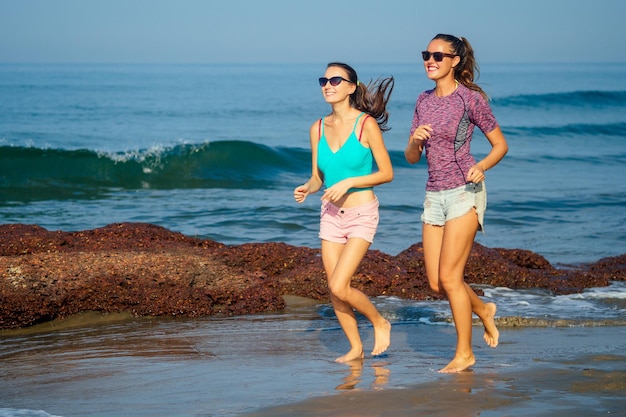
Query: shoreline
[[295, 304]]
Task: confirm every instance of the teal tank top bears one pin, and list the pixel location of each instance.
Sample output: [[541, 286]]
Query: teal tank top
[[351, 160]]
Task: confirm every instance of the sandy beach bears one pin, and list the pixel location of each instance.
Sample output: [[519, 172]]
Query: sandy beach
[[282, 365]]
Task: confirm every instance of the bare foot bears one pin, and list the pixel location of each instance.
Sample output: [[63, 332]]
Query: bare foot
[[492, 334], [458, 364], [382, 338], [352, 355]]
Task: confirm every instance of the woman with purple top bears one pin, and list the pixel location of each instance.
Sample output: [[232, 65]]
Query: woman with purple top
[[456, 197]]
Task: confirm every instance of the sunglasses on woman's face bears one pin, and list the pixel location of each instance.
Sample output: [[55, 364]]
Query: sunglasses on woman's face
[[334, 81], [437, 56]]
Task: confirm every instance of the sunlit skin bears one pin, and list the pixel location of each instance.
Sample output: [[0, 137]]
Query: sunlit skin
[[342, 260], [447, 248]]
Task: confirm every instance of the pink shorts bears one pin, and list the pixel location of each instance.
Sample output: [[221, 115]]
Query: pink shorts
[[339, 224]]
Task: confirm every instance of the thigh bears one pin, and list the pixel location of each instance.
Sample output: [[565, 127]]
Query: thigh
[[432, 238], [342, 263], [331, 252], [458, 238]]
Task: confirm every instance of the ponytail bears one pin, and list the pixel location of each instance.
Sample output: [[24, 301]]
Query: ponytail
[[371, 98]]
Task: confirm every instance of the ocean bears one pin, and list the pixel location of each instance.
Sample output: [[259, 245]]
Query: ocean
[[215, 151]]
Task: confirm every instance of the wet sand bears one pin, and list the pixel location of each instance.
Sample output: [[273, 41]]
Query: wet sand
[[282, 365], [582, 387]]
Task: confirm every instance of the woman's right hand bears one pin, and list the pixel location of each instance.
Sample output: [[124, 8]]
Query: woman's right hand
[[300, 193], [417, 141], [421, 135]]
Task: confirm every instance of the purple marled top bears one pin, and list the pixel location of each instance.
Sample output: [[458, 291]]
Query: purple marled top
[[453, 119]]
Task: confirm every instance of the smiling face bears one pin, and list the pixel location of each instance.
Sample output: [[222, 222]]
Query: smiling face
[[340, 92], [444, 68]]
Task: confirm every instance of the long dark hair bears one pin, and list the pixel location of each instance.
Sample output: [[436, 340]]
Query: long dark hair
[[371, 98], [467, 70]]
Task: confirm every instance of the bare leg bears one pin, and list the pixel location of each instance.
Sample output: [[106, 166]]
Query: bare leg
[[433, 244], [341, 262], [486, 312], [446, 252], [458, 239]]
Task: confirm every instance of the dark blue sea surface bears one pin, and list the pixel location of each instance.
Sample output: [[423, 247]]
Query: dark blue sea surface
[[215, 151]]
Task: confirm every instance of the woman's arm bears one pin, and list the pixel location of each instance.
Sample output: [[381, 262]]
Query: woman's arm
[[415, 147], [314, 183], [499, 148]]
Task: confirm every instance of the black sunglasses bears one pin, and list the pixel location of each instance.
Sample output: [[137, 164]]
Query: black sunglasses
[[438, 56], [334, 81]]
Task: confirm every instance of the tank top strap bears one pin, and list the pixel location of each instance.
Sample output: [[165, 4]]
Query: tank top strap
[[320, 129], [363, 126], [357, 121]]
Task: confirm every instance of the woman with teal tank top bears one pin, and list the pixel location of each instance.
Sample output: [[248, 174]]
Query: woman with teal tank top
[[346, 145]]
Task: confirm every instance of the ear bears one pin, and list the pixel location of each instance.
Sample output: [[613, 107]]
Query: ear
[[456, 61]]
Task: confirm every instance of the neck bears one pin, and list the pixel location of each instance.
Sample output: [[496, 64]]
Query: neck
[[446, 87], [342, 112]]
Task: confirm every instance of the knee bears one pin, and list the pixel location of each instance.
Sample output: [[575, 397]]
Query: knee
[[339, 292], [449, 285], [435, 283], [435, 287]]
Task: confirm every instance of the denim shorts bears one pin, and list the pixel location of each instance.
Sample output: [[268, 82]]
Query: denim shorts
[[441, 206], [339, 224]]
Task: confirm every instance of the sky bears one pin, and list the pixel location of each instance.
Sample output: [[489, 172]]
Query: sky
[[307, 31]]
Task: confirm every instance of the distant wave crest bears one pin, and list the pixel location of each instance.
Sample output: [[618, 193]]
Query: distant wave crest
[[591, 99], [574, 129], [33, 173]]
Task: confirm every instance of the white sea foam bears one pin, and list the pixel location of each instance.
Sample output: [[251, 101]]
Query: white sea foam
[[599, 305], [12, 412]]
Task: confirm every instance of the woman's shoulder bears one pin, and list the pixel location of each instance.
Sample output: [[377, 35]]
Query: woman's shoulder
[[425, 95], [315, 131], [468, 93], [368, 122], [318, 122]]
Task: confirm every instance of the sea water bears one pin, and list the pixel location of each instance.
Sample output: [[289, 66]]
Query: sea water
[[215, 151]]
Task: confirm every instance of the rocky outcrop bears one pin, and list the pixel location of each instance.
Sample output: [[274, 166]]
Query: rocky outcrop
[[150, 271]]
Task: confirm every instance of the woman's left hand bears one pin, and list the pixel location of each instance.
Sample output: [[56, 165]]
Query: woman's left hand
[[475, 174], [337, 191]]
